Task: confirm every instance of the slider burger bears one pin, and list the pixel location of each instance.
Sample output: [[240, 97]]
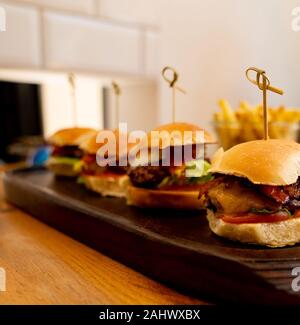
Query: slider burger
[[255, 195], [174, 184], [107, 179], [65, 159]]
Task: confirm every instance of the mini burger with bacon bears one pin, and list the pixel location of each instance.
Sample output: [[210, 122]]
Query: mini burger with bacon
[[103, 173], [170, 183], [65, 159], [255, 194]]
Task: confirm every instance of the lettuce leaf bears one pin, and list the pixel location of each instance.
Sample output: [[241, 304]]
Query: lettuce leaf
[[80, 180], [194, 172], [64, 160], [199, 180], [197, 168], [75, 162]]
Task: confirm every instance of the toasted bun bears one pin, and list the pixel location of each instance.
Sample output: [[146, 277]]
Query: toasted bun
[[91, 144], [146, 198], [270, 162], [60, 169], [70, 137], [107, 186], [177, 131], [272, 234]]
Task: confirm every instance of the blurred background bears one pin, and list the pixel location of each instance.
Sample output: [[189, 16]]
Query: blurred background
[[210, 43]]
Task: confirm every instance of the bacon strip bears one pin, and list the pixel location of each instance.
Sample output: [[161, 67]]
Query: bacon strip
[[293, 190], [256, 218], [275, 192], [67, 151], [207, 186]]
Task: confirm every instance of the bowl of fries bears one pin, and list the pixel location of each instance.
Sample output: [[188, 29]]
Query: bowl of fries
[[246, 123]]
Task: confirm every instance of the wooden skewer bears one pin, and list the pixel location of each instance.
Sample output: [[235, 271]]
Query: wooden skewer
[[263, 84], [117, 91], [72, 83], [173, 84]]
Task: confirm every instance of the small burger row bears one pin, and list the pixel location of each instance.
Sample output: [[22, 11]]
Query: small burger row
[[159, 181], [251, 192]]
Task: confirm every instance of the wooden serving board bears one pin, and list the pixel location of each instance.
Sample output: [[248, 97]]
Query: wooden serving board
[[174, 247]]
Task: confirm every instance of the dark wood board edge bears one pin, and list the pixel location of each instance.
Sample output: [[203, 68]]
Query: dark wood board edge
[[201, 275]]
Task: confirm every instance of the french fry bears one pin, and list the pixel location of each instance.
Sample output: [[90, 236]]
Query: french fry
[[246, 123], [228, 113]]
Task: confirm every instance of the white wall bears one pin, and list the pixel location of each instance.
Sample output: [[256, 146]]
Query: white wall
[[211, 43], [138, 106], [99, 39], [59, 111], [91, 36]]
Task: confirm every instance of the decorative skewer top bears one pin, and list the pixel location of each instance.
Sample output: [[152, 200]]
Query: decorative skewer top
[[173, 84], [263, 83]]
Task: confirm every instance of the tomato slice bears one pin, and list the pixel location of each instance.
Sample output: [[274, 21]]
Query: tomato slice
[[104, 174], [110, 174], [183, 187], [257, 218], [89, 158]]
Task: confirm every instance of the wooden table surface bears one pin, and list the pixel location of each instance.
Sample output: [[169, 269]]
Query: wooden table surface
[[43, 266]]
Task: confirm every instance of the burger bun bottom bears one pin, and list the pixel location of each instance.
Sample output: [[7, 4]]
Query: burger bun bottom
[[165, 199], [107, 186], [272, 234]]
